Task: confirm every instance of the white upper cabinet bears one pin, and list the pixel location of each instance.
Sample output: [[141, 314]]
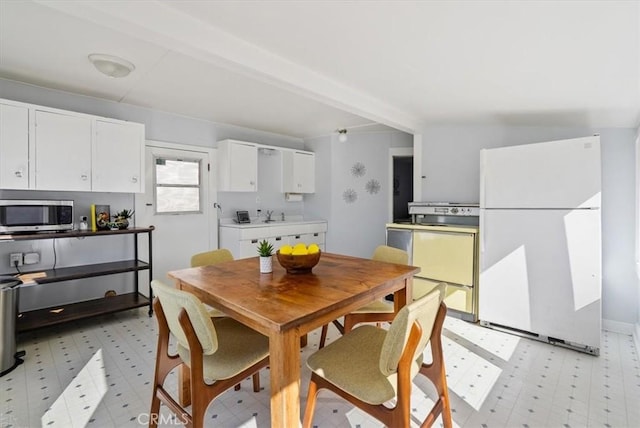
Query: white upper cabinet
[[62, 151], [14, 146], [237, 166], [43, 148], [118, 154], [298, 172]]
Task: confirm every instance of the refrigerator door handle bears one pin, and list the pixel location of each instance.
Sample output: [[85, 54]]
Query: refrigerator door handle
[[483, 153], [482, 230]]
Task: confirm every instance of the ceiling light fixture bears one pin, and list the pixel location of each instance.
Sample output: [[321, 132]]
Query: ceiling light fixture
[[111, 66], [342, 135]]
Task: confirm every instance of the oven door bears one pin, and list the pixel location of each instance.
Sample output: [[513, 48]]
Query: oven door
[[458, 297], [446, 256]]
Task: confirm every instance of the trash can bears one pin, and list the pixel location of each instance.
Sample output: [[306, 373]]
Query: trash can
[[9, 358]]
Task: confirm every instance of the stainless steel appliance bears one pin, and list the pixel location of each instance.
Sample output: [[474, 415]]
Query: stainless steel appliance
[[444, 213], [19, 215], [400, 238], [9, 292], [442, 240]]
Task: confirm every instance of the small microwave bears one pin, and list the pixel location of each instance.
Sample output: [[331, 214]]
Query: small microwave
[[18, 216]]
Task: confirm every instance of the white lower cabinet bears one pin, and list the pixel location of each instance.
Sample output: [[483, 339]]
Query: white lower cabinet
[[242, 241]]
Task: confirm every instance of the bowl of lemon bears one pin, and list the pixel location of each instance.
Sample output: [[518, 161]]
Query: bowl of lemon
[[299, 258]]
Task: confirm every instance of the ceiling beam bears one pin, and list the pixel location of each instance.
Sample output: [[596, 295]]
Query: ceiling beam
[[160, 24]]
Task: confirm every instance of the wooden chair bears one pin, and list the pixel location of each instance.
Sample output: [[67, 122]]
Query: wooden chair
[[369, 366], [219, 353], [211, 258], [378, 311]]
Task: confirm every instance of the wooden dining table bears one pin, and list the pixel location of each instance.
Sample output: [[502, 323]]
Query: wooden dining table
[[285, 307]]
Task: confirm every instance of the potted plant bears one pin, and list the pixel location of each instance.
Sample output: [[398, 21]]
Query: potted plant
[[265, 250], [122, 218]]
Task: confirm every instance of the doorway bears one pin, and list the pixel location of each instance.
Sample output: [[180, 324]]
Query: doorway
[[401, 179], [179, 187]]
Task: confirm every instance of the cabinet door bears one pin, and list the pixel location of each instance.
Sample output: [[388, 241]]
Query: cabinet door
[[118, 157], [237, 166], [62, 151], [243, 167], [14, 147], [278, 242], [248, 248], [304, 172], [298, 172], [444, 256]]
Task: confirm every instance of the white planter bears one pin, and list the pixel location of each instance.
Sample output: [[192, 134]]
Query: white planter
[[266, 264]]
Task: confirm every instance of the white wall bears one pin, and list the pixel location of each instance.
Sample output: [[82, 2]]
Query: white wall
[[354, 228], [269, 197], [450, 164], [160, 126]]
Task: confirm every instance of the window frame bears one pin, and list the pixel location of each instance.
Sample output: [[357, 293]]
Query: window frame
[[156, 185]]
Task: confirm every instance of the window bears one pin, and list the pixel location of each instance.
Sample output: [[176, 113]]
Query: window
[[177, 186]]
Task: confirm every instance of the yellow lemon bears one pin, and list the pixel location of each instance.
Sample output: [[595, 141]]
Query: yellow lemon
[[286, 249], [300, 246], [313, 248], [300, 251]]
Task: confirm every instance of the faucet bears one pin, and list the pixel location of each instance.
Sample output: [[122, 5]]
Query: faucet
[[268, 216]]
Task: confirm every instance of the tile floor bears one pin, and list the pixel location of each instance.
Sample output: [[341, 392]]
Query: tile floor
[[98, 373]]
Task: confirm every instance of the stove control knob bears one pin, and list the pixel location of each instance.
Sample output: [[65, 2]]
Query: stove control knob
[[454, 210]]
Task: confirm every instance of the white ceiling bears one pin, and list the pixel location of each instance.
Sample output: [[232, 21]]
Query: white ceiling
[[306, 68]]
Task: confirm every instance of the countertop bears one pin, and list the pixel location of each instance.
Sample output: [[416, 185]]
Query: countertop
[[293, 222], [438, 227]]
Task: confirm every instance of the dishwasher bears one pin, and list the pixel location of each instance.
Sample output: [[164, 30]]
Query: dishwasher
[[402, 239]]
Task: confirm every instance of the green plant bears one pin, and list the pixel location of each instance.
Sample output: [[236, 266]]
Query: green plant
[[124, 214], [265, 249]]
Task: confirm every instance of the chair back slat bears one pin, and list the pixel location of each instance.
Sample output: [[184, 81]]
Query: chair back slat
[[384, 253], [422, 311], [173, 301], [211, 257]]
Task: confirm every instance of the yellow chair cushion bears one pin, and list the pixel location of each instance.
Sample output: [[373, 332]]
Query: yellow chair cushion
[[238, 348], [352, 364], [377, 307], [214, 313]]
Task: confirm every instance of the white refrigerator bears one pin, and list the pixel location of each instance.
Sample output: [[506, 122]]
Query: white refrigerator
[[540, 241]]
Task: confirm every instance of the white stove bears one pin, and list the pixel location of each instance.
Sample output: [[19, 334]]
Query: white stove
[[445, 213]]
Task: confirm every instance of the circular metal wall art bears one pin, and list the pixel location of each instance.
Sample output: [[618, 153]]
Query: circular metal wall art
[[372, 186], [358, 169], [349, 196]]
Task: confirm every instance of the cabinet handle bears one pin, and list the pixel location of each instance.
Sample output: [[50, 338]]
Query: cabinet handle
[[19, 174], [254, 241], [297, 236], [83, 177], [315, 234], [278, 238], [134, 179]]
